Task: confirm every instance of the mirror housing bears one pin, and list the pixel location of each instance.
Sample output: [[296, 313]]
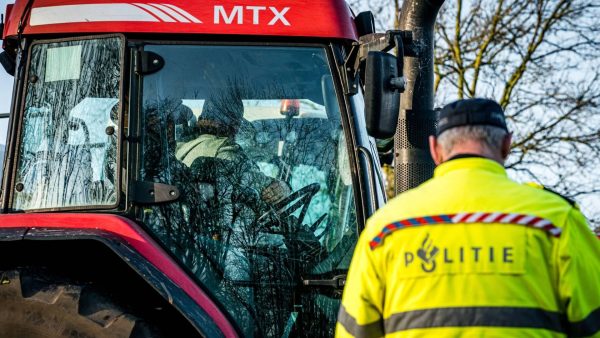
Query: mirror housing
[[382, 94], [365, 23], [8, 62]]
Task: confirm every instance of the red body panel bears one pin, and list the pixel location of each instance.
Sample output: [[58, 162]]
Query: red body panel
[[287, 18], [6, 16], [131, 234]]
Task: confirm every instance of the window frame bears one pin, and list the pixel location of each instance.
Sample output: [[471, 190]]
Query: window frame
[[3, 158], [21, 113]]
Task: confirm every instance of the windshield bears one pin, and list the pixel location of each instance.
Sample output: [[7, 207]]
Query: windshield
[[252, 138], [67, 156]]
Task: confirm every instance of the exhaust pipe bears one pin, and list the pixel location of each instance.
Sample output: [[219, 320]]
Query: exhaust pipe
[[413, 163]]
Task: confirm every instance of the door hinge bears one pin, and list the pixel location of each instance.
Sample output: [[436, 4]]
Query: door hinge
[[337, 282], [152, 193]]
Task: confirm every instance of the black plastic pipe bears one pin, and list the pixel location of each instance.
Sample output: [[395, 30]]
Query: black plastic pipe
[[413, 163]]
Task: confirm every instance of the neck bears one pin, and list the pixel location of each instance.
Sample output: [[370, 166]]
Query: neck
[[474, 148]]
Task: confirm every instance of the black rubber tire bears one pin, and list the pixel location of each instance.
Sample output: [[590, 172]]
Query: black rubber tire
[[35, 303]]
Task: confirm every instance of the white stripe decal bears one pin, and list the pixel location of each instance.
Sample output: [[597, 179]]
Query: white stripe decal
[[161, 15], [88, 13], [184, 13], [555, 231], [171, 12]]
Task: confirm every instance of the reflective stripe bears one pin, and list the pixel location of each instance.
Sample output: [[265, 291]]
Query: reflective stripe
[[508, 218], [458, 217], [474, 217], [587, 327], [349, 323], [492, 217], [468, 218], [542, 223], [525, 220], [513, 317]]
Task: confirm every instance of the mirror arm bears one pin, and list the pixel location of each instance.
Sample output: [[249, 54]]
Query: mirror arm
[[383, 42], [399, 82], [350, 71]]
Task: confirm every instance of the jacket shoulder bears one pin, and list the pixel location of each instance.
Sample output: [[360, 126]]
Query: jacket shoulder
[[402, 206], [565, 198]]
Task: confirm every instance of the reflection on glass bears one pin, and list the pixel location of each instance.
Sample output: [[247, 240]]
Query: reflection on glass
[[68, 149], [252, 138]]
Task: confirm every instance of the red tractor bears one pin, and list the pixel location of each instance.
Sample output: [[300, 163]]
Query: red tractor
[[199, 168]]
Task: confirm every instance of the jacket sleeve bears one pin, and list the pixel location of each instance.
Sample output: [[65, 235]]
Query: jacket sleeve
[[579, 276], [361, 313]]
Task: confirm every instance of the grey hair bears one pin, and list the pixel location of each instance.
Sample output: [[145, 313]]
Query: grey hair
[[490, 135]]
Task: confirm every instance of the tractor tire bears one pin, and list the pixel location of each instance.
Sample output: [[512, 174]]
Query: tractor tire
[[35, 303]]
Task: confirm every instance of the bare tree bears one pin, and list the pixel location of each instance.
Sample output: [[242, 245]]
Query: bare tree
[[383, 10], [538, 58], [541, 60]]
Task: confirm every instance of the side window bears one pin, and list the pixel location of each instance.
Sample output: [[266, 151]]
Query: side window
[[68, 147]]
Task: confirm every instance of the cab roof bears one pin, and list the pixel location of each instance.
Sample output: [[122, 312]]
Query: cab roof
[[293, 18]]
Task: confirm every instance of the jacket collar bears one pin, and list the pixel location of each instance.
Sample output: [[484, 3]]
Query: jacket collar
[[469, 162]]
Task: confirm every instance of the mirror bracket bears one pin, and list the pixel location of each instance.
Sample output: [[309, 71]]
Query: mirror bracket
[[398, 83], [350, 70], [380, 42], [148, 62]]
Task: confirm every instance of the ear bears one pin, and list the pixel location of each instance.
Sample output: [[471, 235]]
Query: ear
[[506, 142], [435, 150]]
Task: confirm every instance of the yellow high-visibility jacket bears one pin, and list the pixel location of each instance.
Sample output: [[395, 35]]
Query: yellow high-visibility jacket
[[471, 253]]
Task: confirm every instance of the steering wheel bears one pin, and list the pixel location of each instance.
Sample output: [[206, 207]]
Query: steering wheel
[[301, 241], [284, 208]]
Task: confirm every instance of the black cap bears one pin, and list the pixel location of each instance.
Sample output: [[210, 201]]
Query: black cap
[[471, 112]]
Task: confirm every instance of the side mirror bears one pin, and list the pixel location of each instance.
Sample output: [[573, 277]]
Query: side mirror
[[8, 62], [365, 23], [382, 97]]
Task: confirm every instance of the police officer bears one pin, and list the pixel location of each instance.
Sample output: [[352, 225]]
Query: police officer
[[472, 253]]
